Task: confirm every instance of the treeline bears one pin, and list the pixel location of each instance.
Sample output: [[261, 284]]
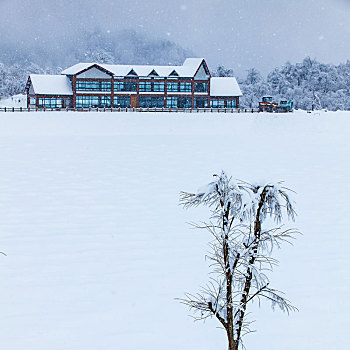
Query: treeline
[[308, 84]]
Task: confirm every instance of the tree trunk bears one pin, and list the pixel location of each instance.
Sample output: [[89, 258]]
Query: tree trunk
[[232, 345]]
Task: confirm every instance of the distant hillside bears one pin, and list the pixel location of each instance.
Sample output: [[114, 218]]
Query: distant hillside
[[18, 61]]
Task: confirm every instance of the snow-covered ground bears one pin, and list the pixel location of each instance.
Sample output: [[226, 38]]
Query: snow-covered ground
[[98, 247], [16, 101]]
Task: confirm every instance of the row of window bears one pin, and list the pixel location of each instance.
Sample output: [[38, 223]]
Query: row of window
[[125, 86], [147, 86], [144, 102], [218, 103], [50, 102], [179, 102], [144, 86], [179, 87], [93, 101], [93, 86]]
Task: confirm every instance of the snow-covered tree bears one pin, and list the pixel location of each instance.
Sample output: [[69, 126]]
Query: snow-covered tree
[[245, 225], [253, 76], [222, 71]]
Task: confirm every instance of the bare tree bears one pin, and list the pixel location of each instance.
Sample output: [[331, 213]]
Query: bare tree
[[240, 252]]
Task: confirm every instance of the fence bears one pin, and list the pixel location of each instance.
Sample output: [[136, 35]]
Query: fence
[[169, 110]]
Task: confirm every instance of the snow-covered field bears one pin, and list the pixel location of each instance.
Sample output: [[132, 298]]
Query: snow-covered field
[[98, 247]]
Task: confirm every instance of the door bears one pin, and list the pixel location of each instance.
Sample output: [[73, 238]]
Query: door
[[133, 101]]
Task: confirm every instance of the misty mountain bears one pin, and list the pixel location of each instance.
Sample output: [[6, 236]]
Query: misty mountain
[[41, 56], [124, 47]]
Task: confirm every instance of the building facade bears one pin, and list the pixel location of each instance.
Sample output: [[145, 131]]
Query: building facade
[[86, 85]]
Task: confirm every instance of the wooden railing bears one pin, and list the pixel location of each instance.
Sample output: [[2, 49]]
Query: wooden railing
[[169, 110]]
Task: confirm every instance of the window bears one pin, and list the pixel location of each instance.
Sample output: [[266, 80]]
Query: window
[[105, 101], [231, 103], [122, 101], [185, 87], [93, 101], [145, 86], [50, 102], [173, 87], [125, 86], [32, 101], [200, 102], [184, 102], [217, 103], [171, 102], [88, 86], [201, 87], [106, 85], [148, 86], [151, 101], [93, 86], [157, 87], [179, 87]]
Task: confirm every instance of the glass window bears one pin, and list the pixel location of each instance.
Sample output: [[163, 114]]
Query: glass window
[[122, 101], [158, 86], [173, 87], [171, 102], [201, 87], [151, 101], [119, 86], [148, 86], [32, 101], [184, 102], [231, 103], [185, 87], [93, 85], [217, 103], [88, 86], [50, 102], [200, 102], [93, 101], [106, 85], [105, 101], [125, 86], [145, 86]]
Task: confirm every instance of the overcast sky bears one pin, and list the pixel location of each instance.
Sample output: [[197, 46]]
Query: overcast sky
[[237, 33]]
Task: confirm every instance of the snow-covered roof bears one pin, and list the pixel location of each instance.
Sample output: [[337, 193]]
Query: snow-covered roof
[[51, 84], [188, 69], [224, 86]]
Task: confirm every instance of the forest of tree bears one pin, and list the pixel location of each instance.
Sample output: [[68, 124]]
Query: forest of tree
[[325, 86]]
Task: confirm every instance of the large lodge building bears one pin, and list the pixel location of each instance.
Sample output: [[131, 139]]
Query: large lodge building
[[86, 85]]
